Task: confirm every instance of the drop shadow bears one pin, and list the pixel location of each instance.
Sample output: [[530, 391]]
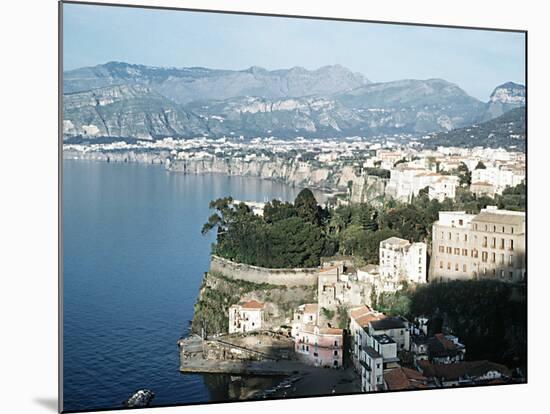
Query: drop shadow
[[49, 403]]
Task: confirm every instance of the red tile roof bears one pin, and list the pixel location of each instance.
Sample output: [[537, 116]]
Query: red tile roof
[[404, 379], [252, 304]]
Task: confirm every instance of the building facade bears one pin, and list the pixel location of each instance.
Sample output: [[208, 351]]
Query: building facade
[[246, 317], [490, 244], [400, 261], [321, 347]]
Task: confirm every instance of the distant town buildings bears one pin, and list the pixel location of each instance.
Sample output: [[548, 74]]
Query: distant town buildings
[[407, 181], [499, 177], [246, 316], [490, 244]]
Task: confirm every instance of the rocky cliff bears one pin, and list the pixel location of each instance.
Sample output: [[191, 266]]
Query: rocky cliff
[[300, 174], [218, 293]]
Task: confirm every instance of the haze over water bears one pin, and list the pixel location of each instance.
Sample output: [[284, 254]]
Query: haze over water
[[133, 262]]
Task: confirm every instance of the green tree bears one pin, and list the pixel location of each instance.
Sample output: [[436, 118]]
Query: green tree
[[307, 208], [480, 166]]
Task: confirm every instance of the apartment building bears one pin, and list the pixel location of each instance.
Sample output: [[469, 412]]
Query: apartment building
[[320, 347], [490, 244], [401, 260]]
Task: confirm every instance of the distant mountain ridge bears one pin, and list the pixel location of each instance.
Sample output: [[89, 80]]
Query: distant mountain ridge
[[121, 100], [185, 85]]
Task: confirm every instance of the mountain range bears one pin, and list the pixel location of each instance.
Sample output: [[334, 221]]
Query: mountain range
[[120, 100]]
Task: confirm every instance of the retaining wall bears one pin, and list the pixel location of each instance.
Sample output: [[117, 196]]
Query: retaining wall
[[255, 274]]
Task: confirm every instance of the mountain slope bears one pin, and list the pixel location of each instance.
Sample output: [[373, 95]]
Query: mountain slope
[[119, 100], [185, 85], [505, 97], [126, 111], [507, 131]]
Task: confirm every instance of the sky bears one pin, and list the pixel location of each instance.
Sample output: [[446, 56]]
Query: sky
[[476, 60]]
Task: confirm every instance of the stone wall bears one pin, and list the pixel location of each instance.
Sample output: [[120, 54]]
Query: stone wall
[[255, 274]]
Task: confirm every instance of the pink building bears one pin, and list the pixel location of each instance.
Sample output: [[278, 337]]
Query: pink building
[[321, 347]]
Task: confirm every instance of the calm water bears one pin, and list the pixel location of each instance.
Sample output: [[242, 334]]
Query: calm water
[[133, 263]]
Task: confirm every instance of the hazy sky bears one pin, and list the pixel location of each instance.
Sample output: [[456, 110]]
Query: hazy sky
[[476, 60]]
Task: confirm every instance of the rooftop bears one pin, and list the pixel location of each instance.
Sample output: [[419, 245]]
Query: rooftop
[[330, 331], [372, 352], [383, 339], [252, 304], [404, 379], [500, 217], [396, 241], [470, 369], [311, 308], [389, 323]]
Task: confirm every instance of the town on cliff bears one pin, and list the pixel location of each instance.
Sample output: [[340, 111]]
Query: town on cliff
[[418, 284]]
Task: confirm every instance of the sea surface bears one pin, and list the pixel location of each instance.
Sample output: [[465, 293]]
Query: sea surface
[[133, 259]]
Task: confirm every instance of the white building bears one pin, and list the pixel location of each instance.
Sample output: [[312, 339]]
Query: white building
[[499, 177], [400, 261], [444, 187], [246, 316], [305, 314], [407, 181]]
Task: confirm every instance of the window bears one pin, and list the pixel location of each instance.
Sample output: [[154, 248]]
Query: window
[[464, 268], [503, 229], [335, 343], [510, 260], [502, 259], [441, 249], [494, 272], [449, 250], [494, 242], [315, 354], [486, 227], [512, 245], [475, 226], [511, 274], [450, 236], [456, 267], [474, 253], [511, 230], [335, 353], [493, 257], [442, 236], [448, 265], [464, 252], [502, 244], [502, 274], [484, 256], [465, 237], [441, 264], [460, 222], [484, 241], [494, 229], [457, 251]]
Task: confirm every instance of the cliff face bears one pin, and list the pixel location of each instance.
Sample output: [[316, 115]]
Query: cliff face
[[218, 293], [300, 174]]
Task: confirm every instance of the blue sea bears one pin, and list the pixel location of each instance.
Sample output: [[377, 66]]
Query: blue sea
[[133, 259]]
